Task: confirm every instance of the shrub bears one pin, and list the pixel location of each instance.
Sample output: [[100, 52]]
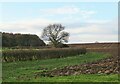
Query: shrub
[[37, 54], [61, 45]]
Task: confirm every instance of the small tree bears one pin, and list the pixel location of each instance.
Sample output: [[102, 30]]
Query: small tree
[[55, 34]]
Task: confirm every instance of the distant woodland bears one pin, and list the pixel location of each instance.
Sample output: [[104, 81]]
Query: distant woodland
[[13, 40]]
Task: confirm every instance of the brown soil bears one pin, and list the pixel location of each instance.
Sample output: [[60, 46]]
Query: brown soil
[[106, 66]]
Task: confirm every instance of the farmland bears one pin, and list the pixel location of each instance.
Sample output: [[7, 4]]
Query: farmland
[[49, 69], [24, 71], [96, 45], [111, 47]]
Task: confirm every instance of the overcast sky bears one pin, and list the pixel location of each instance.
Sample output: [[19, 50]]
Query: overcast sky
[[85, 21]]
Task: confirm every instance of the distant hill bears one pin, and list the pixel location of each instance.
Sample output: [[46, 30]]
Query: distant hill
[[12, 40]]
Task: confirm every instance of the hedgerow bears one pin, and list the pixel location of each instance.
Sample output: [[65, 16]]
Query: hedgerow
[[37, 54]]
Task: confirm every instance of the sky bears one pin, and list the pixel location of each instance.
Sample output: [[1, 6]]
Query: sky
[[85, 21]]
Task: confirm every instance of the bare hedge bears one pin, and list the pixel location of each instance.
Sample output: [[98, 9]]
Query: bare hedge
[[37, 54]]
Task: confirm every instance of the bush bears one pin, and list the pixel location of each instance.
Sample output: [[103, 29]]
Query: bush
[[35, 54], [62, 45]]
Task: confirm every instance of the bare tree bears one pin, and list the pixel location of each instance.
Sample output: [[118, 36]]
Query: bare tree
[[55, 34]]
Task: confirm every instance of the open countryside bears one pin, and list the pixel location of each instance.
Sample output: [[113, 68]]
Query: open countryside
[[59, 42], [76, 63]]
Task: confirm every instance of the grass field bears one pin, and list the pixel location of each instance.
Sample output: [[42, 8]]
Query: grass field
[[25, 71], [81, 78]]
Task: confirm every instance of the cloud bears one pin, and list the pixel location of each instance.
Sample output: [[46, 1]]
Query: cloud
[[94, 28], [91, 32], [68, 11], [79, 32], [33, 26], [61, 10], [86, 38]]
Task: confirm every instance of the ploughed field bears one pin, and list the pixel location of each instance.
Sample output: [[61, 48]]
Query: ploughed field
[[96, 45], [96, 65], [111, 48]]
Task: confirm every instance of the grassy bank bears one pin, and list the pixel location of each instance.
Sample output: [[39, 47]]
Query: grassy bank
[[26, 70], [80, 78]]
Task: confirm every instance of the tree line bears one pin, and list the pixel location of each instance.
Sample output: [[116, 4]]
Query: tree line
[[12, 40]]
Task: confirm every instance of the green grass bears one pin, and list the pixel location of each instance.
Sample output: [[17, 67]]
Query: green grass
[[25, 70], [80, 78]]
